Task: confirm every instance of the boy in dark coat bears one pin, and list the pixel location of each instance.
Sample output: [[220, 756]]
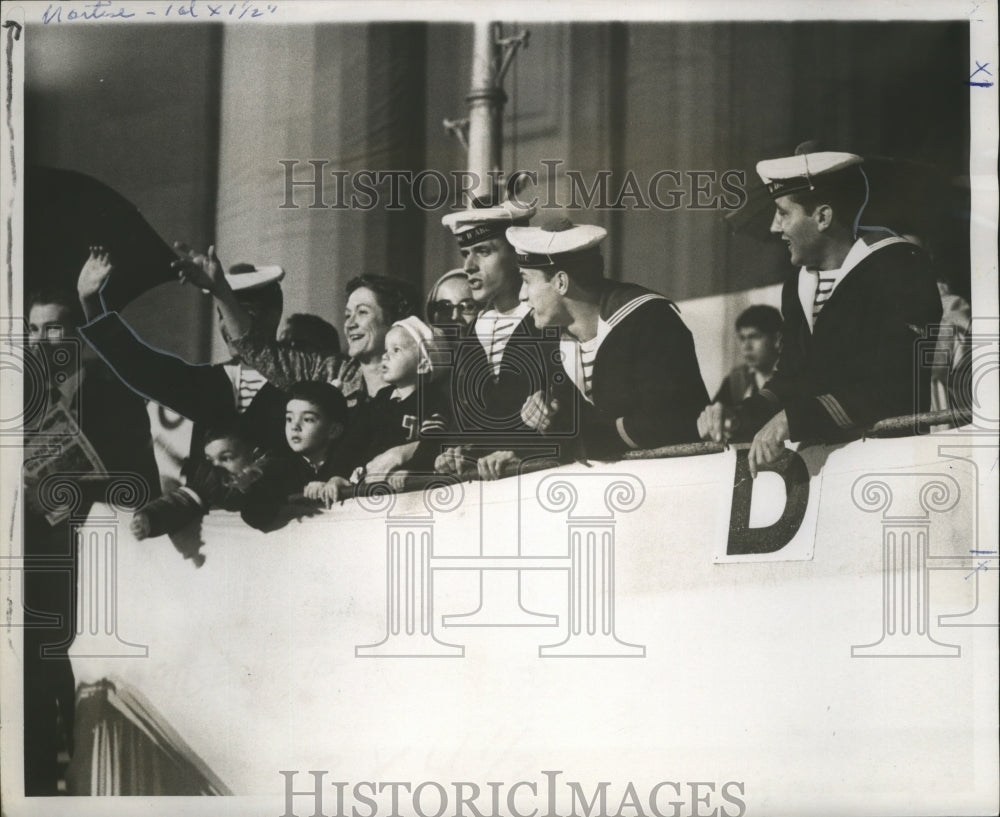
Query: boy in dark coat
[[315, 420], [231, 465]]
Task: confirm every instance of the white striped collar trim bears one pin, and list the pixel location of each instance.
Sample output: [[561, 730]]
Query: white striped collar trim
[[885, 242], [570, 346], [624, 311], [835, 410]]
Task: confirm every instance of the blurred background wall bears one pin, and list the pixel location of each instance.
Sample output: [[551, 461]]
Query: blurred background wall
[[191, 123]]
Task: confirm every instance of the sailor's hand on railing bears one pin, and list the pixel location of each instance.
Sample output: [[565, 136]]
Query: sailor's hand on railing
[[769, 443], [496, 464], [454, 461], [537, 414], [397, 479], [716, 423]]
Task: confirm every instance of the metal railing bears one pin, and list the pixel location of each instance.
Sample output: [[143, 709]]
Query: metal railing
[[903, 426]]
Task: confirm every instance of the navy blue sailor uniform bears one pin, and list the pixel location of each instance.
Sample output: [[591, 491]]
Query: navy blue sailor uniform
[[637, 378], [205, 393], [489, 387], [856, 362], [644, 388], [849, 350], [498, 362]]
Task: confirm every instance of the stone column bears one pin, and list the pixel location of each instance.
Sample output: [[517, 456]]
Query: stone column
[[95, 538], [500, 588], [906, 502], [409, 610], [590, 502]]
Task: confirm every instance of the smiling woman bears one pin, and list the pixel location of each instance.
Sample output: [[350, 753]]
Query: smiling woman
[[374, 303]]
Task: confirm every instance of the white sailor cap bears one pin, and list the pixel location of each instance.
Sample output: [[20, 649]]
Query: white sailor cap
[[243, 277], [804, 171], [552, 243], [483, 223]]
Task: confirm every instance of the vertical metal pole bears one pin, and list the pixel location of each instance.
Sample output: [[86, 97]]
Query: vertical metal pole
[[486, 101]]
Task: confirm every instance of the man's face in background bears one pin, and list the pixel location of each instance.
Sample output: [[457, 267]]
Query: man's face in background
[[759, 348], [49, 323], [51, 333]]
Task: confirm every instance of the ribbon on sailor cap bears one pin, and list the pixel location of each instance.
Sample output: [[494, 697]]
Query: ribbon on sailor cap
[[483, 223], [804, 171], [242, 277], [422, 335], [553, 242]]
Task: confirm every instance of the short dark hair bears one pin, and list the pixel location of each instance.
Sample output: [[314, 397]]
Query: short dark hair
[[235, 429], [845, 191], [303, 330], [325, 397], [268, 297], [760, 316], [398, 299], [60, 296]]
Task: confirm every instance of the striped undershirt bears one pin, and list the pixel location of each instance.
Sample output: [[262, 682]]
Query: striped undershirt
[[824, 289], [494, 330], [588, 351]]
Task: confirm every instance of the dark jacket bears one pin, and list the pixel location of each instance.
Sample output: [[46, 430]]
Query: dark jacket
[[485, 407], [283, 480], [859, 364], [201, 392], [646, 388], [385, 423]]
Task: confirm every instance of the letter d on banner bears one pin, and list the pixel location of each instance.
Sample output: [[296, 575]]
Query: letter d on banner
[[773, 517]]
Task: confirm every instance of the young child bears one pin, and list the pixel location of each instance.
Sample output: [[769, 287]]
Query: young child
[[321, 458], [402, 412], [231, 465]]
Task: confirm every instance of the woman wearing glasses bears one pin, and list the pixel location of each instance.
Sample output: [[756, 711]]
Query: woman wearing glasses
[[450, 301]]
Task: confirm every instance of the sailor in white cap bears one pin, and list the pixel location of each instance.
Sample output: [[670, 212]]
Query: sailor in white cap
[[501, 361], [623, 347], [493, 275], [852, 312]]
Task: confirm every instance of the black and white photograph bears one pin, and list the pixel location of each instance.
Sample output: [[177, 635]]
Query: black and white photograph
[[440, 409]]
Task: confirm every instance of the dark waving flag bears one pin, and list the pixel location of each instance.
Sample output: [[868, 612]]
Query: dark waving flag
[[65, 212]]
